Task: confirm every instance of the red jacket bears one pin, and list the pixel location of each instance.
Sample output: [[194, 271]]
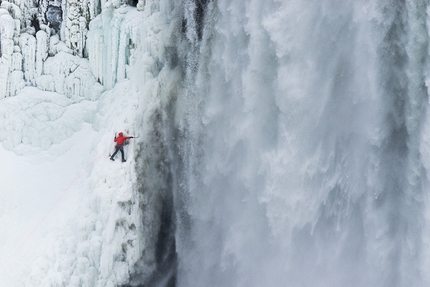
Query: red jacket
[[121, 139]]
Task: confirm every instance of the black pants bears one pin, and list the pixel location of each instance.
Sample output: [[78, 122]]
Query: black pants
[[119, 148]]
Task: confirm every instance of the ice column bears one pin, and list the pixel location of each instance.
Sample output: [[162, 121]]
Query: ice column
[[76, 26], [27, 43], [10, 58], [42, 50], [110, 45]]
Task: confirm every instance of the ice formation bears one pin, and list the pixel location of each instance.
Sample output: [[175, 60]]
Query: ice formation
[[67, 85], [30, 33]]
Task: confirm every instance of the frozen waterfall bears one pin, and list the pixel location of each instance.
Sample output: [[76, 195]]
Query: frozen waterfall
[[281, 143]]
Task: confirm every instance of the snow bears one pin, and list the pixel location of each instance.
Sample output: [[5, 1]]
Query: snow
[[61, 196], [68, 215], [72, 74], [74, 217]]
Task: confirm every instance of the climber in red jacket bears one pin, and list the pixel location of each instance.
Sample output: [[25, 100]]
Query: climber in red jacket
[[120, 141]]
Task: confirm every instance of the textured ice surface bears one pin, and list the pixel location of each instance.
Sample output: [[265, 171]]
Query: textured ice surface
[[64, 203], [70, 216]]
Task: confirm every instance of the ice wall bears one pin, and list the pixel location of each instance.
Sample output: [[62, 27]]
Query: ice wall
[[111, 44], [33, 31], [11, 74], [117, 65], [124, 235]]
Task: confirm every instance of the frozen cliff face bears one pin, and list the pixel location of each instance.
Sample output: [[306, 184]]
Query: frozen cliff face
[[11, 73], [31, 32], [37, 35]]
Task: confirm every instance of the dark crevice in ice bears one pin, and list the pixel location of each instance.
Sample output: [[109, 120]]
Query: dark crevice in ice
[[54, 16], [165, 275]]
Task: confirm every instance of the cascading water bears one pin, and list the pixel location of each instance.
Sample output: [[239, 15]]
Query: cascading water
[[301, 144]]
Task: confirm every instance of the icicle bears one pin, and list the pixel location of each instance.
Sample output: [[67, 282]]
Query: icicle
[[13, 9], [41, 51], [27, 44], [16, 60], [9, 60], [96, 48], [16, 82]]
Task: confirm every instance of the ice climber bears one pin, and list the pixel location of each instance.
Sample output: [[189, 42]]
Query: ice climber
[[120, 141]]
